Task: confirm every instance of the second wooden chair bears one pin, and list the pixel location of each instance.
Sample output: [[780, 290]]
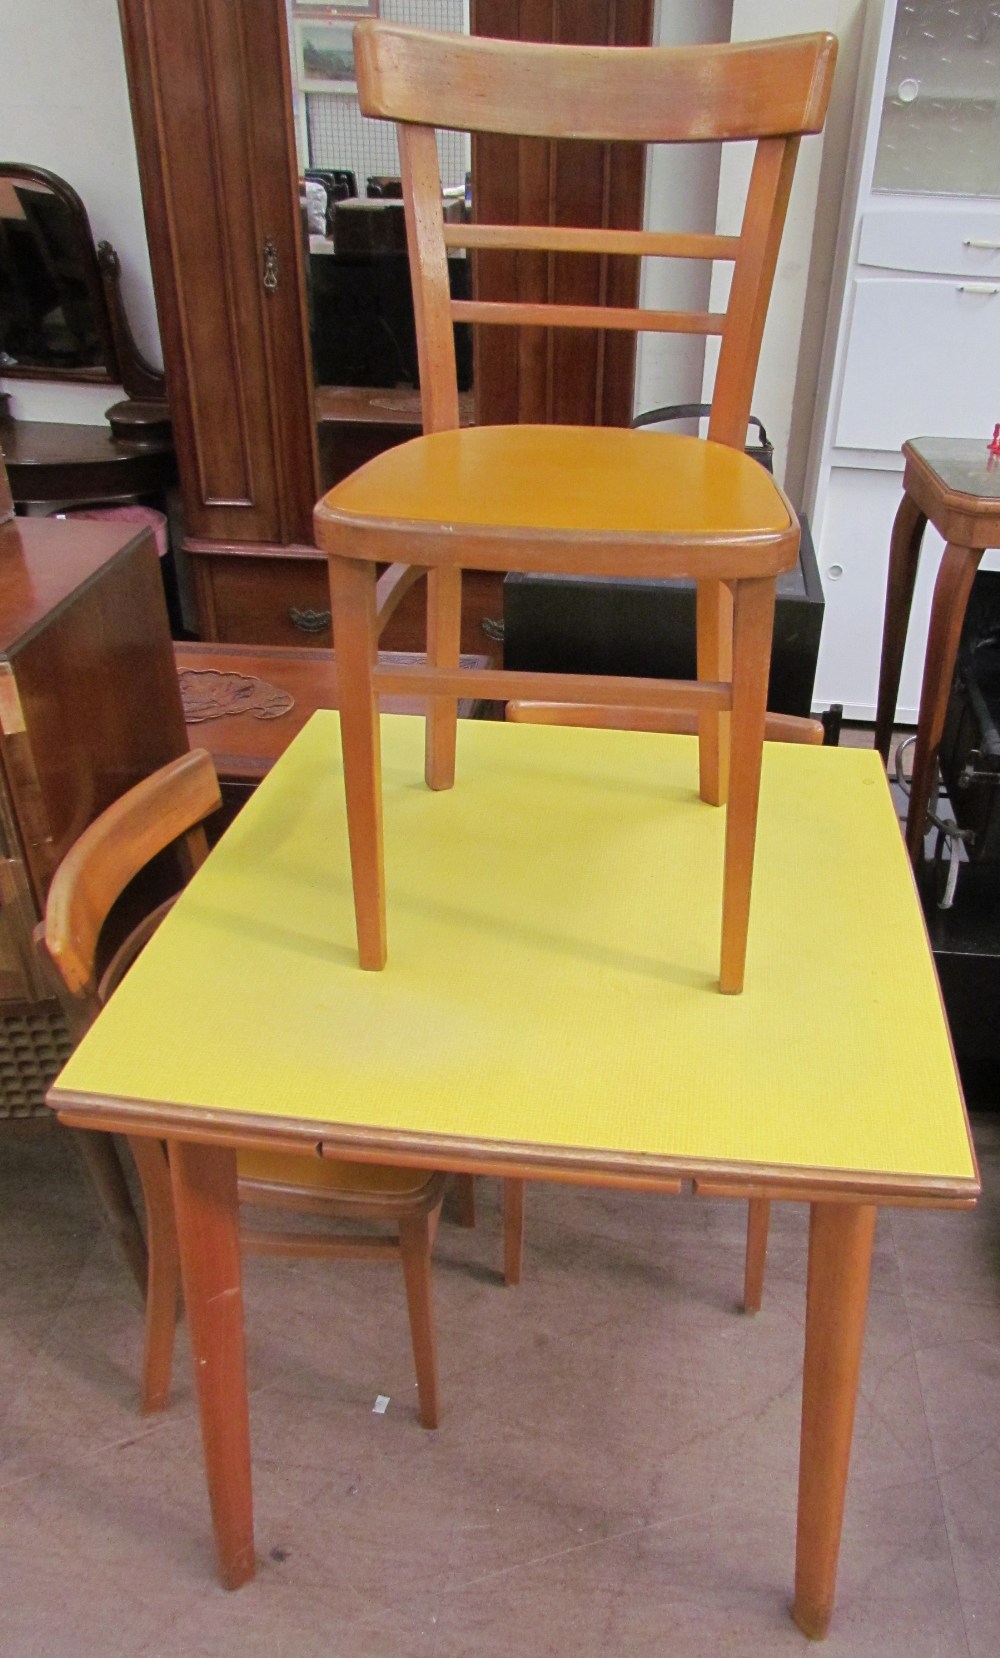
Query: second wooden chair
[[398, 1208]]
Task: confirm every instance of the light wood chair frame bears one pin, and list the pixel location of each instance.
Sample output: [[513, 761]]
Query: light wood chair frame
[[169, 809], [772, 92]]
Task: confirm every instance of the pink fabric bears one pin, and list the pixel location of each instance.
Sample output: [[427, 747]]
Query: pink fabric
[[130, 515]]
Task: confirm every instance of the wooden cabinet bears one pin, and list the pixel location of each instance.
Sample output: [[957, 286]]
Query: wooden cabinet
[[89, 704], [211, 105], [913, 332], [211, 100]]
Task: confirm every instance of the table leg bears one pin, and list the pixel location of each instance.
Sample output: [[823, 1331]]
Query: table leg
[[840, 1247], [951, 597], [204, 1187], [904, 554]]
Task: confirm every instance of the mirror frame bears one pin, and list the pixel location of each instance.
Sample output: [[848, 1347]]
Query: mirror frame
[[110, 372]]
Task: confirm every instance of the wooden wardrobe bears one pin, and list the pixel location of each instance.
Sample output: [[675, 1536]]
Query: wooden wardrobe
[[211, 102]]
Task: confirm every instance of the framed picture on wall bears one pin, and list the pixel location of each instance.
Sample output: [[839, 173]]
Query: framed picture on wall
[[324, 54]]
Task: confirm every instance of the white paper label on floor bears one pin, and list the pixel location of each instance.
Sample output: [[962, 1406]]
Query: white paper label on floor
[[381, 1405]]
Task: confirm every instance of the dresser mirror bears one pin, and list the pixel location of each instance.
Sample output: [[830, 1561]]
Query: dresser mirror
[[61, 313]]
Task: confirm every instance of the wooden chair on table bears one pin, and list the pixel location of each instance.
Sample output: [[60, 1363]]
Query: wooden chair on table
[[778, 728], [574, 500], [168, 809]]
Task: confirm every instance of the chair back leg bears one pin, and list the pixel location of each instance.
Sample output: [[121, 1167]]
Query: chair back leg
[[714, 621], [163, 1284], [444, 636], [100, 1159]]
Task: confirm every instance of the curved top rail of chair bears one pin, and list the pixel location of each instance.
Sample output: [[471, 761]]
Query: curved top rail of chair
[[597, 92]]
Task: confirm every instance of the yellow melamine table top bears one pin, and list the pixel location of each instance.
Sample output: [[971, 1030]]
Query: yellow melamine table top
[[550, 992]]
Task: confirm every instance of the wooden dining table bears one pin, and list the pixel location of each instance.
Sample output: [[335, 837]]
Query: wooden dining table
[[550, 1010]]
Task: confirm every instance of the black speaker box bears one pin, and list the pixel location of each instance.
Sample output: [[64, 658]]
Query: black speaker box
[[603, 625]]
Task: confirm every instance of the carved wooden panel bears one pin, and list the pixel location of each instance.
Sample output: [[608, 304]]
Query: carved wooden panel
[[209, 83], [534, 374]]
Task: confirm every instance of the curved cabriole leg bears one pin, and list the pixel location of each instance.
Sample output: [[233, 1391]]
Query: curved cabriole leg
[[904, 555], [951, 596]]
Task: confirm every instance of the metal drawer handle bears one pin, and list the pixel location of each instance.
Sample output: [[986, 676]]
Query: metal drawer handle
[[309, 621], [269, 275], [981, 242], [978, 288]]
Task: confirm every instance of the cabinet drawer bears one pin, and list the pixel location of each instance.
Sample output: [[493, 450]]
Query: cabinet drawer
[[262, 601], [961, 239], [286, 601], [923, 358]]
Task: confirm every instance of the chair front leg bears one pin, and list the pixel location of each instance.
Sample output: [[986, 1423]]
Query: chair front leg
[[444, 635], [715, 656], [753, 626], [355, 635], [415, 1234]]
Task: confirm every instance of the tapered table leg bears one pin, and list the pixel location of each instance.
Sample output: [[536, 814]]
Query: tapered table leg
[[204, 1187], [840, 1248]]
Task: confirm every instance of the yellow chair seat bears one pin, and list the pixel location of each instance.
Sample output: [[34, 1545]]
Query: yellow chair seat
[[581, 482], [328, 1175]]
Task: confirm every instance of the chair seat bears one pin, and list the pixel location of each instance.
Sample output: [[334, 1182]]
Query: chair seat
[[329, 1175], [573, 484]]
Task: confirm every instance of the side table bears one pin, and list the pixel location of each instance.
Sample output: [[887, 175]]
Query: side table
[[49, 462], [954, 483]]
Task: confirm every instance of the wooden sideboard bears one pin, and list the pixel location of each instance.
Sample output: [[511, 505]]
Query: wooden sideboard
[[89, 704]]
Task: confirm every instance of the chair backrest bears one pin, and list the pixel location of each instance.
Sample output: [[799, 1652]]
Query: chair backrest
[[770, 91], [165, 808]]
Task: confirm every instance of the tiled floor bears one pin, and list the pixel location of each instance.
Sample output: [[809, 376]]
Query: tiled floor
[[614, 1476]]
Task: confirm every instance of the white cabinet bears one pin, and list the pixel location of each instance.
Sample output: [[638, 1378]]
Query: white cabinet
[[913, 331]]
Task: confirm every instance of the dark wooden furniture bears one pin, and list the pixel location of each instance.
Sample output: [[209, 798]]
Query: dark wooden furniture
[[89, 701], [83, 626], [49, 462], [953, 483], [211, 102], [244, 746], [62, 316], [89, 704], [543, 374]]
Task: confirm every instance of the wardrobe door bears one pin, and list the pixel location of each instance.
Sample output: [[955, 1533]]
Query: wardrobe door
[[575, 376], [211, 105]]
